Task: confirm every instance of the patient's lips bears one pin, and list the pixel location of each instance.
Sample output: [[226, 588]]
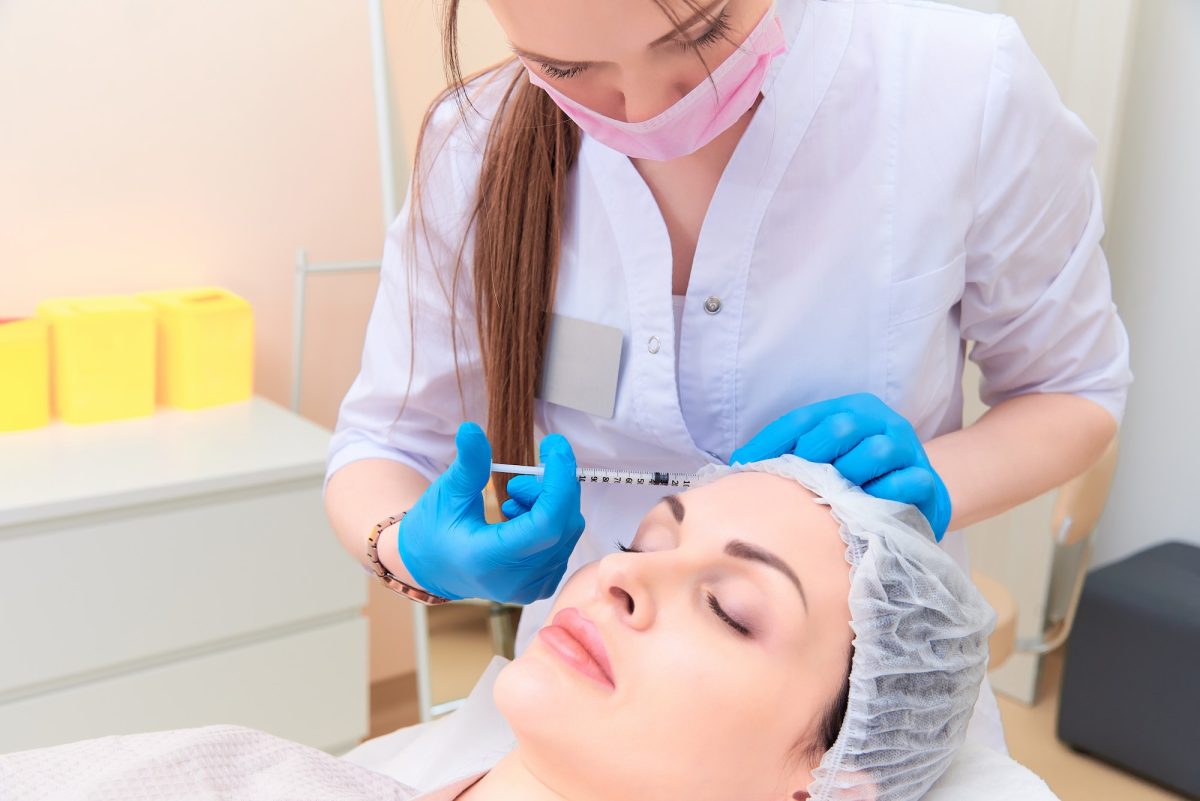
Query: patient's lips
[[577, 640]]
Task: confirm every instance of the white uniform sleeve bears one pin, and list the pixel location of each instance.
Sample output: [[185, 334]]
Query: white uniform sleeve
[[371, 423], [1038, 298]]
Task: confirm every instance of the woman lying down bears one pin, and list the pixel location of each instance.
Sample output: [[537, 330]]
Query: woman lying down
[[773, 633]]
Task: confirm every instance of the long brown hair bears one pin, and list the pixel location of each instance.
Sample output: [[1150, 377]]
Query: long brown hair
[[530, 148]]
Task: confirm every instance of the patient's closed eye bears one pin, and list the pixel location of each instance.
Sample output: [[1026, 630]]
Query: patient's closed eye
[[713, 603]]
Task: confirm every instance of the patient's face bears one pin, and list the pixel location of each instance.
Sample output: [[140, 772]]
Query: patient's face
[[718, 665]]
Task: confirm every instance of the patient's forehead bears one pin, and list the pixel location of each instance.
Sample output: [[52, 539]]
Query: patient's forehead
[[771, 505], [749, 485]]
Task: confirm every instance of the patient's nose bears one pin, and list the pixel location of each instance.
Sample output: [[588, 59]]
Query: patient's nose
[[624, 589]]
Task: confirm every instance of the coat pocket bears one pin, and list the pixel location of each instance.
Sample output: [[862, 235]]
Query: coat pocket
[[913, 298], [923, 337]]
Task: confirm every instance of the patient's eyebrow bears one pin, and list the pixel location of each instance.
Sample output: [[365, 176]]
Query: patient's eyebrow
[[676, 506], [744, 550]]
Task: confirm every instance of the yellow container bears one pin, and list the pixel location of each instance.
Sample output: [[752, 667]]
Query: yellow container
[[24, 374], [101, 357], [205, 346]]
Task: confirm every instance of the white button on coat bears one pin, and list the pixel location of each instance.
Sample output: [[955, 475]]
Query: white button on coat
[[910, 180]]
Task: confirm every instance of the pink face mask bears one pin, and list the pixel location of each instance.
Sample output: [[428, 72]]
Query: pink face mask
[[698, 117]]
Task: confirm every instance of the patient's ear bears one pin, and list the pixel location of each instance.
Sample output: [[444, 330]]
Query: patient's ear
[[865, 786], [802, 760], [801, 777]]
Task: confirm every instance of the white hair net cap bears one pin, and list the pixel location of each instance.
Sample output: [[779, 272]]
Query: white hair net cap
[[920, 642]]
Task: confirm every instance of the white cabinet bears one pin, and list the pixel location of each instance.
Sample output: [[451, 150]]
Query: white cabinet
[[174, 571]]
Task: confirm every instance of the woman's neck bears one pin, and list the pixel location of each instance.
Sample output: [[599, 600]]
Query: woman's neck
[[510, 780]]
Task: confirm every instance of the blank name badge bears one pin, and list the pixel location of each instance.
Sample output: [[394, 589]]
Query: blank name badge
[[581, 365]]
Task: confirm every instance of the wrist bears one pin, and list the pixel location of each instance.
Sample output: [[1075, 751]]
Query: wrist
[[388, 549], [412, 568], [405, 585]]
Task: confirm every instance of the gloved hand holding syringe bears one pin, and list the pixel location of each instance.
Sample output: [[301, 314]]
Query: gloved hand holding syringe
[[451, 550]]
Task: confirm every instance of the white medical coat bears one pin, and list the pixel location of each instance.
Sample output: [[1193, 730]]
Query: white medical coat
[[910, 181]]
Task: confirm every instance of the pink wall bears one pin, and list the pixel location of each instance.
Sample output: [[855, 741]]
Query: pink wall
[[147, 144]]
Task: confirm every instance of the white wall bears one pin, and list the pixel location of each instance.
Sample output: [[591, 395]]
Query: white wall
[[1154, 221]]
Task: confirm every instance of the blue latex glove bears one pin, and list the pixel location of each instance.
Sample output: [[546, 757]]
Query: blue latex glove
[[452, 551], [868, 442]]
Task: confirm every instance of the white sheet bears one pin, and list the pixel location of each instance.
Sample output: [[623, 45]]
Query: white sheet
[[469, 740], [202, 764], [980, 774], [475, 736]]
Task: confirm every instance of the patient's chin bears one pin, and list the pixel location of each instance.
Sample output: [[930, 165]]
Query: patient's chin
[[528, 681], [536, 695]]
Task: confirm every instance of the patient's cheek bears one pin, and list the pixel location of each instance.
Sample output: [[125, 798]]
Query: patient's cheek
[[578, 588]]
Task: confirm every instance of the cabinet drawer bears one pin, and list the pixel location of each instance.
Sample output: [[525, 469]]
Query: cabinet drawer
[[129, 588], [309, 686]]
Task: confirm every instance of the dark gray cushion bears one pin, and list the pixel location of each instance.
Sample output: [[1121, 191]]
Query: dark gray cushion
[[1131, 682]]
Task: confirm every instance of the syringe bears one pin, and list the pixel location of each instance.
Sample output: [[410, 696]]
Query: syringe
[[599, 475]]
